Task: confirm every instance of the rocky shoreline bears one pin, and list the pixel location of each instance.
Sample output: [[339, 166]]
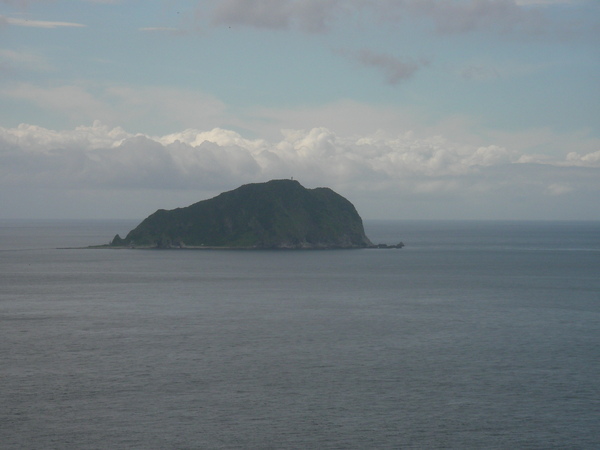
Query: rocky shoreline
[[211, 247]]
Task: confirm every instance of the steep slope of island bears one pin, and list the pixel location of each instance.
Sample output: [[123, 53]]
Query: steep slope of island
[[275, 214]]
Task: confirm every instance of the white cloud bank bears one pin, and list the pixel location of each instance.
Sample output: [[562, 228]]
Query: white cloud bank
[[381, 174]]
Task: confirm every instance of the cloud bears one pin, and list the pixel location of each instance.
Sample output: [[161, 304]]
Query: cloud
[[122, 103], [219, 136], [25, 3], [549, 2], [38, 23], [394, 69], [317, 16], [18, 3], [259, 13], [385, 175], [471, 15], [586, 160], [158, 111], [176, 106], [485, 69], [108, 156], [559, 189], [505, 17], [168, 30], [307, 15], [479, 72], [74, 101], [35, 139], [23, 59]]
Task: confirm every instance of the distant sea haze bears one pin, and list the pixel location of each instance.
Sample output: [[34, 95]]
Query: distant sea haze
[[474, 335]]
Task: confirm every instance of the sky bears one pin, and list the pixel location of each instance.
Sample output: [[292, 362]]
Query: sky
[[411, 109]]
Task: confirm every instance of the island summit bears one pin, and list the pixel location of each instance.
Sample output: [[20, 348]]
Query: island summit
[[278, 214]]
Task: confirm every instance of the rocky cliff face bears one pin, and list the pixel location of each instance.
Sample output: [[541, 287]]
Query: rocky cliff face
[[276, 214]]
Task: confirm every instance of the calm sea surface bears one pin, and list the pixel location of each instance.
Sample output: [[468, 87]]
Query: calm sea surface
[[475, 335]]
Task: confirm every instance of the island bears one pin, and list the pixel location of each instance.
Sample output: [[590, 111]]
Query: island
[[278, 214]]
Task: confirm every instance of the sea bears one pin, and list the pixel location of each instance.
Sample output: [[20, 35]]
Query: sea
[[475, 335]]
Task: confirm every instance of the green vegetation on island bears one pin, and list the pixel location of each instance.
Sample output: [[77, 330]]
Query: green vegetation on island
[[275, 214]]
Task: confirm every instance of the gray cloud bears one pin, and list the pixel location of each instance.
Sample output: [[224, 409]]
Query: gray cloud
[[471, 15], [307, 15], [394, 69], [258, 13], [449, 17]]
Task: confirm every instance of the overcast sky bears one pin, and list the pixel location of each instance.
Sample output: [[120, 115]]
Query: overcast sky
[[412, 109]]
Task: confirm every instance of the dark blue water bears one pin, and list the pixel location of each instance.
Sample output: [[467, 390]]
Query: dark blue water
[[475, 335]]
